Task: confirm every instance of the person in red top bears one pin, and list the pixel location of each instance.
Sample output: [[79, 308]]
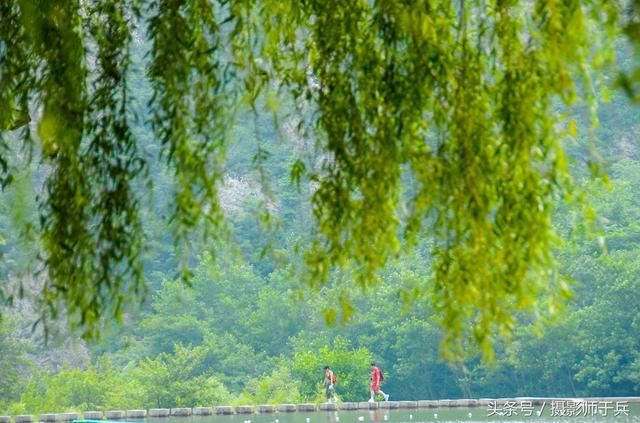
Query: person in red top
[[328, 383], [375, 383]]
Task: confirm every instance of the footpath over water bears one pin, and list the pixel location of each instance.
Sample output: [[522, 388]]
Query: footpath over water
[[598, 402]]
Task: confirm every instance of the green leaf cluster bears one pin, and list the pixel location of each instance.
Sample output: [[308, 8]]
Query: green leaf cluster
[[429, 117]]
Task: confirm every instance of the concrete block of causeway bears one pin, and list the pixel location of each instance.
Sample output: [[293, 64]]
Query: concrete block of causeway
[[114, 414], [204, 411], [245, 409], [427, 404], [548, 400], [390, 405], [347, 406], [365, 405], [408, 404], [182, 412], [92, 415], [266, 408], [224, 409], [23, 418], [630, 400], [328, 406], [5, 419], [459, 403], [307, 407], [136, 414], [159, 412], [537, 401], [48, 417], [286, 408]]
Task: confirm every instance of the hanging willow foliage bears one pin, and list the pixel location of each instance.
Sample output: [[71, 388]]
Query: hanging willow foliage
[[460, 95]]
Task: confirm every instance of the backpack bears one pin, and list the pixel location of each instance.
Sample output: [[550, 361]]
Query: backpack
[[334, 378], [381, 375]]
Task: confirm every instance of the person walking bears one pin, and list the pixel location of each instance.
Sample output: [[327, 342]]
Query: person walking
[[329, 379], [376, 379]]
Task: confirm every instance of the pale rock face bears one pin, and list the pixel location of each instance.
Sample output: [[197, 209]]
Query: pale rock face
[[628, 145], [236, 192], [292, 136], [62, 348]]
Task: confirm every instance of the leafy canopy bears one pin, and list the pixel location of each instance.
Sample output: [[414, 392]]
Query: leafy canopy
[[430, 116]]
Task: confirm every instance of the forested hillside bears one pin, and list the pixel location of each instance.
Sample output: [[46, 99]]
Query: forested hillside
[[245, 331]]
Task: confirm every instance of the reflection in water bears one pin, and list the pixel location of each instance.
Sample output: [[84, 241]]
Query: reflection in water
[[332, 417]]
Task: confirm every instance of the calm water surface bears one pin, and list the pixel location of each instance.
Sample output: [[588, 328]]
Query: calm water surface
[[478, 414]]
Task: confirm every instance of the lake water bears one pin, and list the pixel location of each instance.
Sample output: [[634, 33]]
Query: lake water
[[470, 415]]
